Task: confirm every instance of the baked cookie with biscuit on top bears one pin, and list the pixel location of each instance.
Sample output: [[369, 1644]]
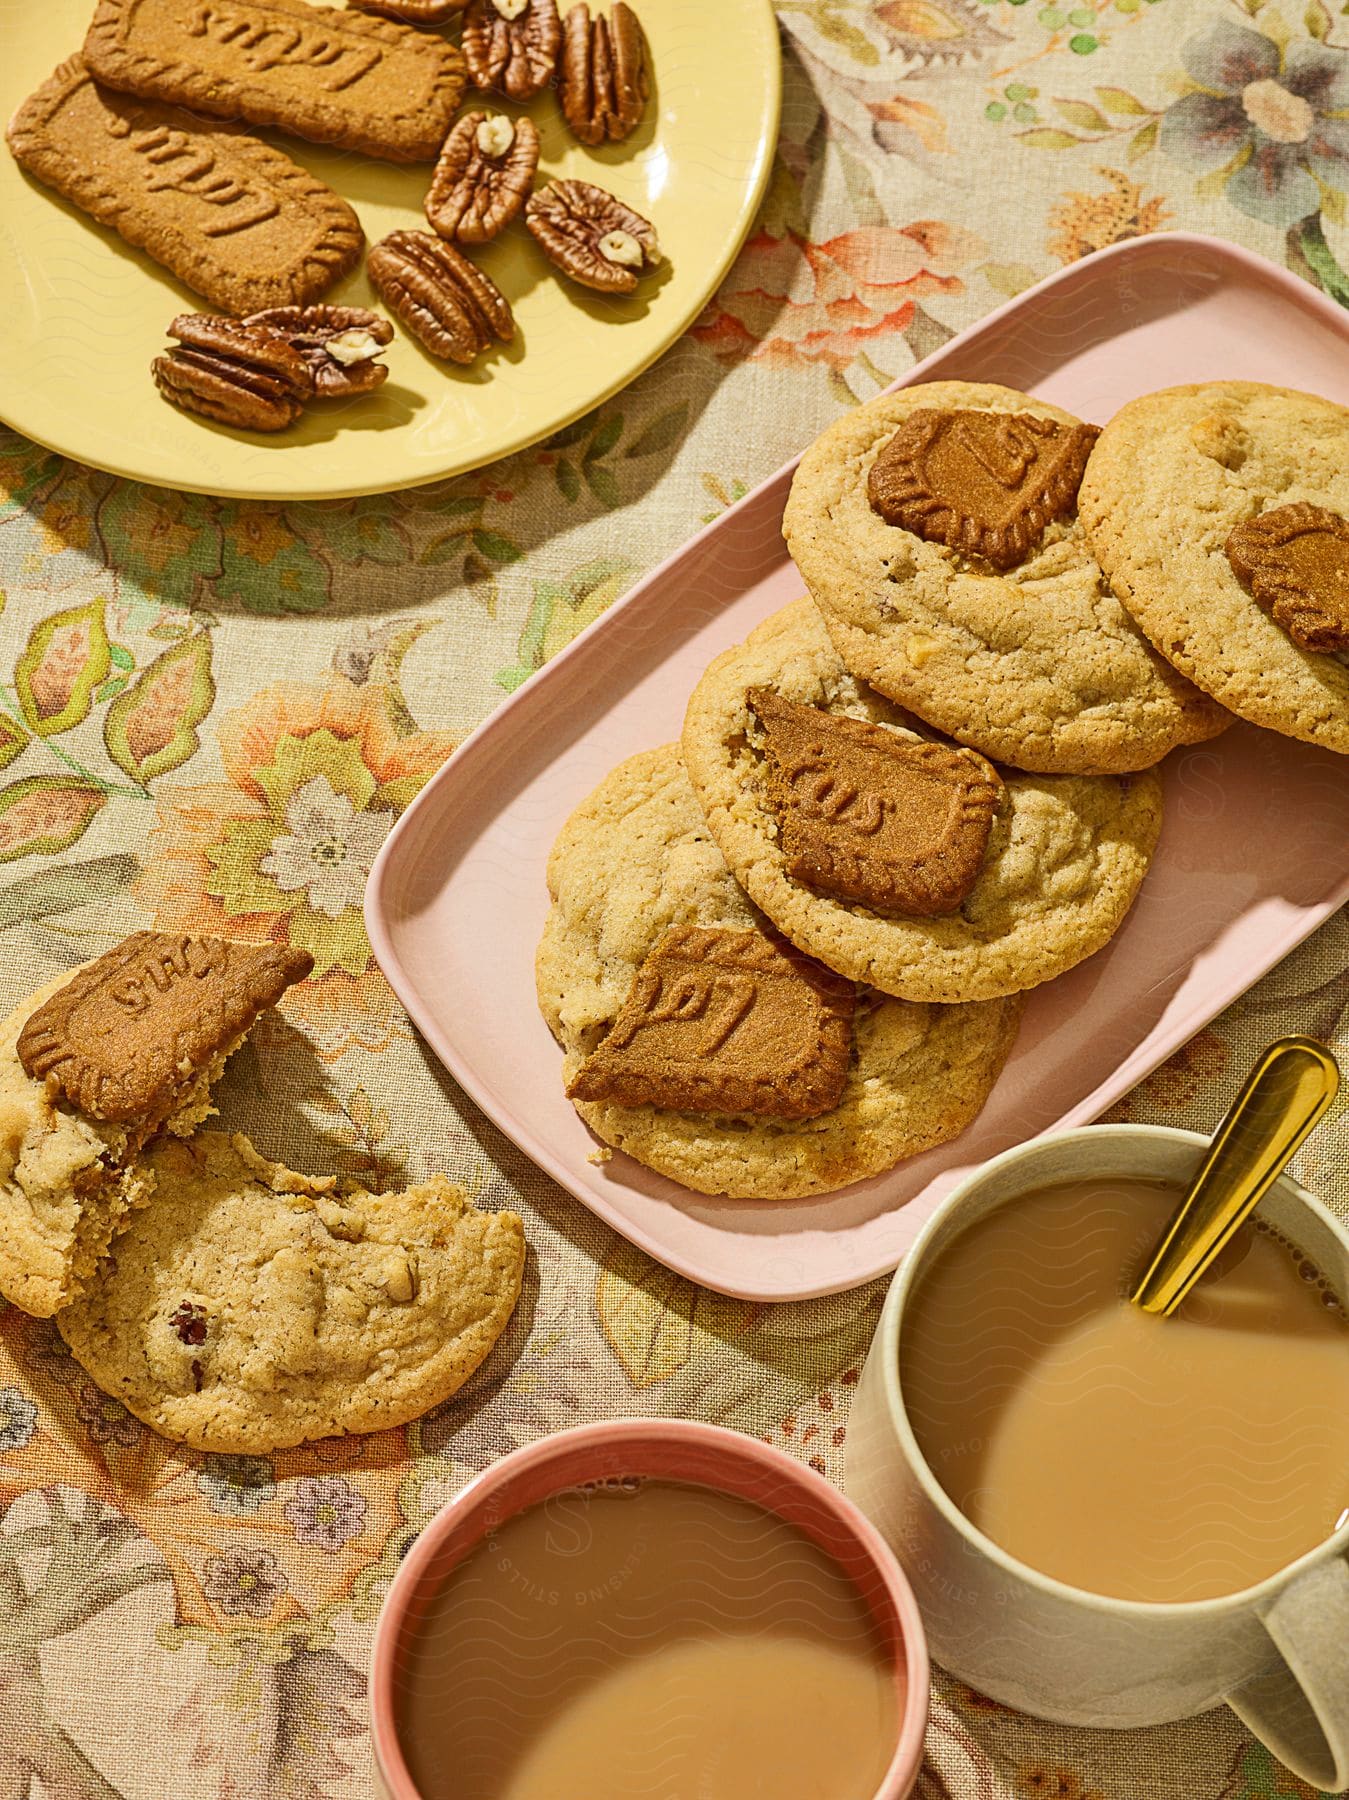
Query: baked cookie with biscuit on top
[[1220, 513], [93, 1065], [936, 529], [910, 864], [701, 1043]]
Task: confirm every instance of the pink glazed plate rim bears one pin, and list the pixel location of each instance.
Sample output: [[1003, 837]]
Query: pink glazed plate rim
[[678, 1450]]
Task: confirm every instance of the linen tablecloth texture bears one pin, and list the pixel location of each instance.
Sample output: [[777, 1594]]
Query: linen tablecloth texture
[[211, 713]]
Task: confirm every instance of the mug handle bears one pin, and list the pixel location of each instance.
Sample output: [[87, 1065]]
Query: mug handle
[[1300, 1711]]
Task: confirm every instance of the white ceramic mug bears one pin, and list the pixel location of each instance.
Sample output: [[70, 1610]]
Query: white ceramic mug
[[1277, 1653]]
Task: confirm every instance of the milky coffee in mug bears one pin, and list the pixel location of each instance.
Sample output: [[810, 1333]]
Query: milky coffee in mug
[[1145, 1458], [652, 1638], [1276, 1650]]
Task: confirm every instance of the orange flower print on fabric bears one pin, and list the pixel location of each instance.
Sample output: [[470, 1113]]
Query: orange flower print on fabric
[[280, 851], [789, 302], [1081, 223]]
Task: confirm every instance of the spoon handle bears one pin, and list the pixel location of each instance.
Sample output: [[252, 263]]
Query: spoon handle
[[1285, 1095]]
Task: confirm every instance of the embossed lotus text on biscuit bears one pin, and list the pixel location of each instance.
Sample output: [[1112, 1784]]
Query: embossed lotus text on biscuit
[[726, 1022], [176, 960], [275, 41], [334, 74], [178, 163], [983, 483], [1295, 562], [867, 815], [125, 1035], [720, 1000]]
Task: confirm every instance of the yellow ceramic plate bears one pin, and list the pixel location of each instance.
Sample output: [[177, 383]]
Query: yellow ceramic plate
[[84, 314]]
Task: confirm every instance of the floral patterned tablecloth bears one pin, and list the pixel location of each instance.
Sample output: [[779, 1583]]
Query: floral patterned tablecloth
[[211, 713]]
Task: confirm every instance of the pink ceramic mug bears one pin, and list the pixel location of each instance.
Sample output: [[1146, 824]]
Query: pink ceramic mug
[[674, 1450]]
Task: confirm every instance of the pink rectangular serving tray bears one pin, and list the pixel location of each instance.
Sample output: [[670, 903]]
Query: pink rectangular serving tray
[[1254, 853]]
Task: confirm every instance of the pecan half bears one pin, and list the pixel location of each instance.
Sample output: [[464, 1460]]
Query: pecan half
[[512, 45], [412, 12], [338, 343], [483, 177], [592, 236], [232, 373], [450, 306], [603, 82]]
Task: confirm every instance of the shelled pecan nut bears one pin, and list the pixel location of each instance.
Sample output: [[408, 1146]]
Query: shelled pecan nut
[[592, 236], [484, 176], [603, 81], [412, 12], [511, 46], [232, 373], [338, 343], [450, 306]]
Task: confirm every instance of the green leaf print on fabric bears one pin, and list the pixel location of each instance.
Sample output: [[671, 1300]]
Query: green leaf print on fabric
[[65, 660], [14, 740], [655, 1321], [152, 727], [25, 468], [352, 532], [560, 610], [42, 814], [61, 889], [165, 545], [266, 567]]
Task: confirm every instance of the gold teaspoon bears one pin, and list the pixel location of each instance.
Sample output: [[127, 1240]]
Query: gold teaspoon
[[1286, 1095]]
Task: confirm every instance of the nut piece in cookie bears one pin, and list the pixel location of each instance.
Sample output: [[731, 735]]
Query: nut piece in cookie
[[722, 1021], [139, 1034], [983, 483], [1295, 561], [865, 814], [232, 374], [449, 305], [592, 236], [253, 1308], [339, 345], [603, 82], [483, 178], [511, 46]]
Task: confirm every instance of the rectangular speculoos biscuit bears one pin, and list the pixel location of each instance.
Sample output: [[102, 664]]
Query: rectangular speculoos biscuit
[[335, 77], [230, 216]]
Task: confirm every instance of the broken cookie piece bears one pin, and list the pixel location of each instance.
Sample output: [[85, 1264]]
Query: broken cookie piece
[[251, 1308], [91, 1066], [868, 815], [726, 1022], [141, 1033]]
